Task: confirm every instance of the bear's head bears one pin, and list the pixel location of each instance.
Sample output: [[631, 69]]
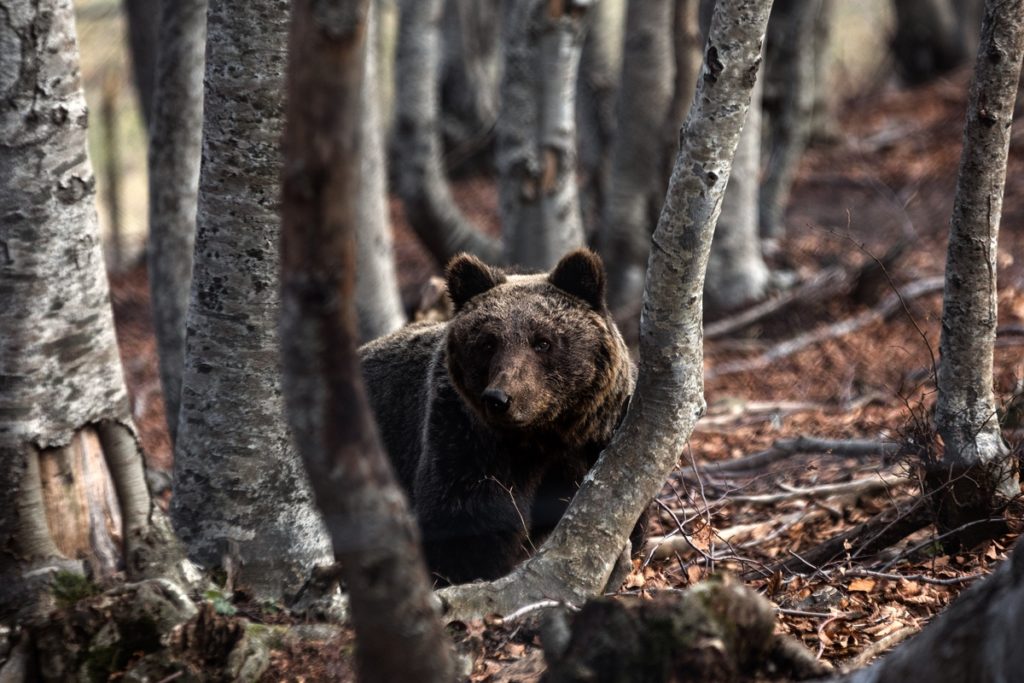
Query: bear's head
[[534, 352]]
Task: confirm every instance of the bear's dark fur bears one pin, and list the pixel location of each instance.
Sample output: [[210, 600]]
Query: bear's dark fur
[[493, 418]]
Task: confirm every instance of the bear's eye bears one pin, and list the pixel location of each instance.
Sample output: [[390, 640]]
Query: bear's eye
[[488, 344], [541, 345]]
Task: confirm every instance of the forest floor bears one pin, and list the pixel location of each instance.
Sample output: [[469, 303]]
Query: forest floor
[[860, 368]]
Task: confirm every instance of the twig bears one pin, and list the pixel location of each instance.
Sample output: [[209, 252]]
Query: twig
[[535, 607], [891, 304], [814, 615], [878, 647], [785, 448], [920, 578]]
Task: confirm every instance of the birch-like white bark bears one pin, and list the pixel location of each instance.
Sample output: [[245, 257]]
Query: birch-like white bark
[[238, 481], [536, 148], [965, 412]]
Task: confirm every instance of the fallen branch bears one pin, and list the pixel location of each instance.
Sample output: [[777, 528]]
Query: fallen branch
[[919, 578], [857, 487], [891, 304], [785, 448], [880, 646], [881, 531]]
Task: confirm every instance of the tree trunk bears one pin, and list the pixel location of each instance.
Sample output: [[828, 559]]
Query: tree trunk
[[72, 487], [597, 87], [788, 104], [977, 472], [644, 99], [378, 303], [926, 43], [174, 151], [737, 274], [239, 487], [400, 637], [422, 182], [536, 153], [577, 559], [144, 34], [976, 639], [470, 81], [688, 46]]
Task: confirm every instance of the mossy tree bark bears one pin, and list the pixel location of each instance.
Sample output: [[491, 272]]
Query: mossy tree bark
[[239, 486], [536, 145], [72, 485], [174, 151], [577, 559], [378, 303], [977, 475], [422, 182], [399, 634]]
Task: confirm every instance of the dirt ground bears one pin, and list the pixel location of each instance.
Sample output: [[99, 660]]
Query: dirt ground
[[889, 176]]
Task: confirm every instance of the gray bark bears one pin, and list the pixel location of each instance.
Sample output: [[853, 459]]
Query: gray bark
[[737, 273], [399, 635], [965, 412], [536, 147], [378, 302], [689, 45], [470, 76], [174, 152], [422, 182], [648, 70], [72, 468], [976, 639], [599, 77], [577, 559], [238, 482], [926, 43], [144, 34], [789, 103]]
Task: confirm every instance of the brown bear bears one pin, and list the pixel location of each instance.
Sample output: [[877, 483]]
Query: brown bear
[[493, 418]]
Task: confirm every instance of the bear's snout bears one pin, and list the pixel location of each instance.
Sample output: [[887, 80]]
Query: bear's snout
[[496, 401]]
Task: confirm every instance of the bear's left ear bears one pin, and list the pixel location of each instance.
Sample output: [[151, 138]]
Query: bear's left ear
[[581, 273], [467, 276]]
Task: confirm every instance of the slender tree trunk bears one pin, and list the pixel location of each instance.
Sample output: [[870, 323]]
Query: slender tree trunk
[[144, 35], [688, 46], [976, 470], [238, 483], [72, 485], [536, 154], [378, 303], [648, 68], [737, 273], [576, 560], [174, 151], [598, 84], [400, 637], [926, 43], [788, 104], [824, 126], [422, 182], [470, 80]]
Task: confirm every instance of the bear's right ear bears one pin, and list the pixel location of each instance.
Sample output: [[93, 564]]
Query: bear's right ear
[[468, 276]]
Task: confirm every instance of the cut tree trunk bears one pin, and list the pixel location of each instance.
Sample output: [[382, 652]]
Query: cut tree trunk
[[577, 559], [378, 303], [648, 68], [977, 475], [241, 497], [398, 631], [422, 182], [72, 487], [737, 273], [536, 147], [174, 152]]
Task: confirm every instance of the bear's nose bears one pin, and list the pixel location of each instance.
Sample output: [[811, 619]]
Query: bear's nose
[[496, 400]]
